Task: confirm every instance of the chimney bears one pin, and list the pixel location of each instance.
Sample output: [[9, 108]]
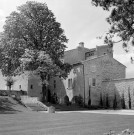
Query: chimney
[[81, 44]]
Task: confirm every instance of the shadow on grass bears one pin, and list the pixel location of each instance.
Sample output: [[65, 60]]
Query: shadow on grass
[[61, 107], [6, 106], [7, 110]]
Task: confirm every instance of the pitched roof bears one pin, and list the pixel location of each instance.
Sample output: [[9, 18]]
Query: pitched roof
[[75, 55]]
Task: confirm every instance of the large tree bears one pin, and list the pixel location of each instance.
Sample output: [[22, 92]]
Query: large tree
[[33, 41], [121, 19]]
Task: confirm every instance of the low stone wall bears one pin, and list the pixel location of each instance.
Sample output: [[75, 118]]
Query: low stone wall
[[27, 99], [12, 92], [122, 90]]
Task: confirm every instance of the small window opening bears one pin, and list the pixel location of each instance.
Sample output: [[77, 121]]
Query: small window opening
[[31, 86]]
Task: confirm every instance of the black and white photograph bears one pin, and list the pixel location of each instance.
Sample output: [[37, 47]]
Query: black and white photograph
[[66, 67]]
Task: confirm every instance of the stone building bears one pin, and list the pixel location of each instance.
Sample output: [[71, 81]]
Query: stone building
[[95, 73], [90, 68]]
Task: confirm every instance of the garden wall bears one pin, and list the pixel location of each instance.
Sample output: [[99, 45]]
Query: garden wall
[[122, 90]]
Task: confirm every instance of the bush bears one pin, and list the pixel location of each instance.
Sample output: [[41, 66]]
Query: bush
[[54, 98], [115, 102], [3, 93], [94, 107], [74, 99], [101, 100], [66, 100], [17, 97], [123, 102], [78, 100], [89, 102], [107, 101], [129, 98]]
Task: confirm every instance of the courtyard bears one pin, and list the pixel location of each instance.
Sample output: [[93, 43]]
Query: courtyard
[[64, 123]]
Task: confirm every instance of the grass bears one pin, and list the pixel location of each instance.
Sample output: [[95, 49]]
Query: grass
[[10, 105], [36, 123]]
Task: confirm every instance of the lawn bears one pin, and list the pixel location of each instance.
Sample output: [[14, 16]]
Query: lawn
[[75, 123]]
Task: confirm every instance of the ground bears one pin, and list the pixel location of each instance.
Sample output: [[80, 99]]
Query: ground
[[63, 123]]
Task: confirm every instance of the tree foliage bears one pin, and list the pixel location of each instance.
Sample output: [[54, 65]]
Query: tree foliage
[[129, 98], [107, 101], [121, 19], [115, 102], [33, 41], [101, 100], [9, 82], [123, 101]]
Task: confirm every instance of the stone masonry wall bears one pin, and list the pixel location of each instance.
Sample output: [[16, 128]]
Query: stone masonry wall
[[101, 68], [123, 89], [61, 87]]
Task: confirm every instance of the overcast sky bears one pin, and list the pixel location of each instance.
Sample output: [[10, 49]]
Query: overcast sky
[[81, 21]]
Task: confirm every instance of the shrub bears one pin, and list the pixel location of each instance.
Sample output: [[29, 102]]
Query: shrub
[[94, 107], [129, 98], [89, 97], [78, 100], [115, 102], [101, 100], [66, 100], [54, 98], [123, 102], [89, 102], [107, 101], [74, 99]]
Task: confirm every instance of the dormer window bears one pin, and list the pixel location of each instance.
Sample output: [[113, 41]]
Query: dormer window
[[89, 54]]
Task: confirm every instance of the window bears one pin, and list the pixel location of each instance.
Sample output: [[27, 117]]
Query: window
[[89, 54], [93, 81], [69, 83], [54, 84], [19, 86], [31, 86]]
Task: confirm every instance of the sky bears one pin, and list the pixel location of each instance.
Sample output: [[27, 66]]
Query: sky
[[81, 21]]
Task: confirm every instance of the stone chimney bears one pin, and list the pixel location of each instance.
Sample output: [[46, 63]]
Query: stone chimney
[[81, 44]]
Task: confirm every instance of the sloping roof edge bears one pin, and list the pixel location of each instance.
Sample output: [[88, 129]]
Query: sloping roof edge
[[103, 56], [120, 79]]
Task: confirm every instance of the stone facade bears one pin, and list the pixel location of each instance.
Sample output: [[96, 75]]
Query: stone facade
[[34, 86], [61, 86], [95, 72], [90, 68], [100, 69], [20, 83], [25, 82], [122, 88]]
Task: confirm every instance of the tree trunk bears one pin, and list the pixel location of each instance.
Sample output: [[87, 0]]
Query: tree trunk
[[44, 89], [9, 87]]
